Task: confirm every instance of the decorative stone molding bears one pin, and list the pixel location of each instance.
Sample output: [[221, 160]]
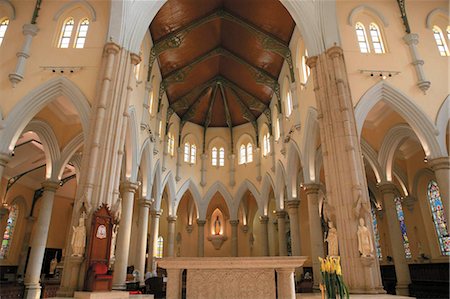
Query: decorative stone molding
[[217, 240]]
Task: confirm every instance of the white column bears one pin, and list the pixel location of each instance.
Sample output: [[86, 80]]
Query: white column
[[441, 168], [264, 220], [295, 110], [153, 241], [32, 286], [281, 221], [179, 155], [144, 206], [29, 31], [171, 231], [234, 237], [412, 39], [398, 252], [315, 230], [201, 237], [25, 244], [292, 206], [285, 283], [127, 190]]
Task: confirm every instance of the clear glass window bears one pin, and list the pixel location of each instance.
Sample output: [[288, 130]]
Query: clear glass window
[[242, 154], [288, 103], [440, 42], [362, 38], [66, 33], [187, 148], [82, 34], [3, 26], [249, 153], [221, 157], [214, 156], [193, 154], [375, 35]]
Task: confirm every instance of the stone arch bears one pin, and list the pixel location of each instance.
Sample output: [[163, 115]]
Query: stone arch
[[316, 20], [371, 157], [424, 172], [242, 137], [245, 185], [168, 181], [9, 8], [74, 3], [294, 158], [34, 101], [145, 166], [216, 187], [366, 8], [319, 162], [308, 146], [442, 120], [192, 187], [433, 13], [267, 184], [402, 179], [280, 185], [49, 142], [156, 188], [403, 105], [131, 146], [66, 154], [222, 140]]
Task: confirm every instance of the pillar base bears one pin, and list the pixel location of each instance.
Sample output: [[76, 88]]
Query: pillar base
[[119, 287], [32, 291], [402, 289]]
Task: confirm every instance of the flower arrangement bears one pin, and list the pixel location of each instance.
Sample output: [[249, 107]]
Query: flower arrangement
[[330, 267]]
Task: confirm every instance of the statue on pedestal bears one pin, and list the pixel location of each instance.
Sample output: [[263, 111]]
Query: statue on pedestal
[[217, 226], [112, 253], [332, 240], [365, 244], [53, 264], [79, 237]]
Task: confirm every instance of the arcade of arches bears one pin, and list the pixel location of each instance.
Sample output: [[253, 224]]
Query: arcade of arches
[[224, 129]]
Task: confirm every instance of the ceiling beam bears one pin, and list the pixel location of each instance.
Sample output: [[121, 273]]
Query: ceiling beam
[[208, 116], [193, 108], [227, 114], [268, 41], [183, 102], [255, 104]]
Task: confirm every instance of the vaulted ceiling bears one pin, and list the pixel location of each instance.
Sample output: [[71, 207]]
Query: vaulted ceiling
[[220, 59]]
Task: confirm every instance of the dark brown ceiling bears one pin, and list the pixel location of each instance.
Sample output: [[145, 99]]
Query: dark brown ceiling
[[220, 59]]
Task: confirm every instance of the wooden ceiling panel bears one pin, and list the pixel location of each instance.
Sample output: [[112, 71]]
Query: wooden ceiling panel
[[175, 14], [202, 110], [218, 118], [235, 108]]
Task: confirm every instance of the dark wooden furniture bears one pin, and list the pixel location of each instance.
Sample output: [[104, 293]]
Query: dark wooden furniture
[[429, 280], [155, 286], [11, 290], [98, 278], [388, 278]]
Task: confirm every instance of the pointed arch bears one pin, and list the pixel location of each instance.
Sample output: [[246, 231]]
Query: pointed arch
[[169, 182], [424, 172], [371, 157], [66, 154], [366, 8], [192, 187], [145, 166], [308, 145], [74, 3], [216, 187], [433, 13], [294, 158], [245, 185], [156, 190], [33, 102], [131, 145], [267, 185], [442, 120], [280, 185], [413, 114]]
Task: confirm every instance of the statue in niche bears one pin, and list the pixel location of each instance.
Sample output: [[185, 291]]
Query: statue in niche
[[53, 264], [365, 244], [79, 237], [217, 226], [332, 240]]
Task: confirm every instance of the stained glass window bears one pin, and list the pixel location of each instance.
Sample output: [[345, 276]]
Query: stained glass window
[[377, 233], [362, 39], [401, 219], [159, 247], [3, 26], [440, 223], [9, 231]]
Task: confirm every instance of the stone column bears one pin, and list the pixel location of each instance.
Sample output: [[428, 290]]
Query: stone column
[[272, 150], [234, 237], [25, 244], [173, 283], [127, 190], [395, 236], [179, 157], [281, 221], [412, 39], [315, 230], [144, 206], [342, 158], [257, 158], [4, 159], [232, 158], [441, 168], [292, 207], [171, 231], [264, 220], [39, 240], [285, 283], [204, 162], [295, 110], [201, 237], [153, 240]]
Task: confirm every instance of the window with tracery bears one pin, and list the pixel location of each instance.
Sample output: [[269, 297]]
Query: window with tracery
[[66, 33], [9, 231], [245, 153], [375, 35], [266, 144], [362, 38], [376, 233], [440, 223], [214, 156], [242, 157], [82, 34], [159, 247], [3, 26], [440, 41], [401, 219]]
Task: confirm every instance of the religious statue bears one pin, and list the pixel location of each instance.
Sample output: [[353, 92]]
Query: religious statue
[[53, 264], [332, 240], [365, 245], [79, 237], [217, 226], [117, 210], [113, 242]]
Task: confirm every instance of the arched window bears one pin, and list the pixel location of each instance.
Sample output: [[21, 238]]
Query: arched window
[[440, 223], [277, 129], [66, 33], [401, 219], [362, 38], [160, 128], [242, 154], [249, 153], [440, 41], [306, 71], [221, 156], [193, 154], [375, 35], [170, 145], [376, 233], [214, 156], [9, 231], [150, 102], [82, 33], [3, 26], [266, 144], [288, 103], [159, 247], [187, 149]]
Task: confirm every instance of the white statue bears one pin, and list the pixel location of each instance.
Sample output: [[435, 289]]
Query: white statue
[[332, 240], [113, 242], [365, 245], [117, 210], [53, 264], [79, 237]]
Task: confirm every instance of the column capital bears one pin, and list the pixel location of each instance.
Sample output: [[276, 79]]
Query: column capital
[[293, 204], [335, 51], [112, 48], [135, 58], [128, 186], [51, 186], [30, 29], [439, 163], [387, 187], [156, 213], [171, 219], [281, 214], [234, 222], [311, 188], [201, 222], [145, 202], [264, 219], [311, 62]]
